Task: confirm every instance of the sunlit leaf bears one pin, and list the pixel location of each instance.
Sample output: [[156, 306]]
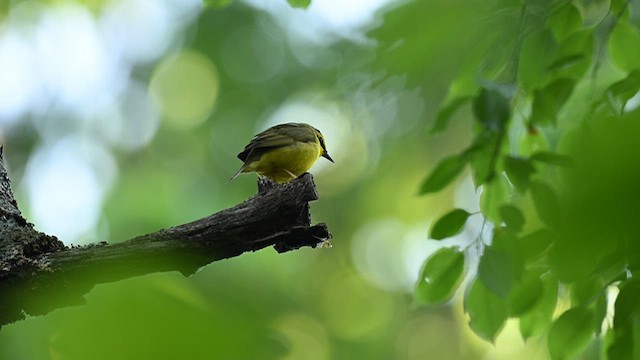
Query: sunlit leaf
[[302, 4], [573, 258], [552, 158], [538, 50], [440, 277], [519, 171], [532, 142], [627, 308], [539, 318], [449, 225], [570, 333], [487, 312], [573, 57], [585, 292], [565, 21], [491, 109], [593, 12], [622, 345], [535, 243], [446, 111], [482, 162], [494, 195], [525, 294], [611, 267], [599, 311], [546, 203], [625, 56], [617, 6], [444, 173], [625, 321], [620, 92], [548, 101], [218, 3], [566, 61], [501, 264], [512, 217]]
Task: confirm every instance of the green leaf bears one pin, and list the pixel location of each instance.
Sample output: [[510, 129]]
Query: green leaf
[[487, 312], [627, 308], [491, 109], [566, 61], [599, 311], [535, 243], [519, 171], [512, 217], [585, 292], [570, 333], [620, 92], [525, 294], [546, 203], [446, 111], [531, 142], [626, 56], [444, 173], [619, 5], [536, 54], [552, 159], [449, 225], [548, 101], [501, 264], [302, 4], [441, 275], [565, 21], [481, 160], [574, 56], [539, 318], [593, 12], [494, 270], [611, 267], [494, 195], [626, 322], [622, 346], [573, 257], [218, 3]]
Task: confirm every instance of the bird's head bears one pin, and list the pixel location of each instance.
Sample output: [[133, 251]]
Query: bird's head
[[320, 138]]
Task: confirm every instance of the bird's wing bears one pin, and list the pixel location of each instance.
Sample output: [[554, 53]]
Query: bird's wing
[[263, 141]]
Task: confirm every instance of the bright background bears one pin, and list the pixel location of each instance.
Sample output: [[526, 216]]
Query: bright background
[[123, 117]]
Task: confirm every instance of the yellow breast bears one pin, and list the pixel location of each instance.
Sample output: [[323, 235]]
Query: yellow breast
[[285, 163]]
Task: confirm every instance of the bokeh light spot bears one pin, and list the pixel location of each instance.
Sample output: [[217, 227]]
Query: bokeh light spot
[[185, 88], [18, 79], [305, 336], [355, 310], [66, 183]]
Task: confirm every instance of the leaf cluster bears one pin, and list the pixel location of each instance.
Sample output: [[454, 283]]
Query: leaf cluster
[[555, 122]]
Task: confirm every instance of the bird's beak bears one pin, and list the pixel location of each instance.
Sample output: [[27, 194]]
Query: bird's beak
[[326, 156]]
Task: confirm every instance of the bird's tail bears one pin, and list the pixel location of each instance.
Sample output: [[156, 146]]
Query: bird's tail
[[242, 169]]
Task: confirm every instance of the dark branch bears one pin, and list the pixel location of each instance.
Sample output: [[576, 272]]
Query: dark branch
[[39, 274]]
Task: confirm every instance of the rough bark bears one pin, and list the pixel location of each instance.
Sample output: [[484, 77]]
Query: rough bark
[[38, 273]]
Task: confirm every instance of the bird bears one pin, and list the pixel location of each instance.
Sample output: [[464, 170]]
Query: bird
[[283, 152]]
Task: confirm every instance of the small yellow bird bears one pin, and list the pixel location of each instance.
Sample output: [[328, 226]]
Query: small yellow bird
[[283, 152]]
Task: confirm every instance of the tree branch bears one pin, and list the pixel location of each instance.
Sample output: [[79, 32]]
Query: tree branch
[[39, 274]]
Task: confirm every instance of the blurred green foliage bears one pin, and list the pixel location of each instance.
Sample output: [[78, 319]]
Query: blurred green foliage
[[521, 113], [575, 78]]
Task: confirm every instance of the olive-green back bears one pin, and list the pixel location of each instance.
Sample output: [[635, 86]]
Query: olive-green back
[[277, 136]]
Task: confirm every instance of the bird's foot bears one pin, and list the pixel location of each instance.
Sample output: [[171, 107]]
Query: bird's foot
[[265, 184]]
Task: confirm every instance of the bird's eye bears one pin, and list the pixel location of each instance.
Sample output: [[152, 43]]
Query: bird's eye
[[321, 139]]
